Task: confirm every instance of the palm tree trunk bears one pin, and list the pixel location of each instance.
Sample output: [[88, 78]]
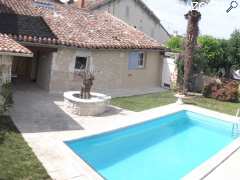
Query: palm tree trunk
[[193, 18]]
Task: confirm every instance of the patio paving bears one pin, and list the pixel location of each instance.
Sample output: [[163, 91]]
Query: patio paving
[[35, 111], [45, 125], [228, 170]]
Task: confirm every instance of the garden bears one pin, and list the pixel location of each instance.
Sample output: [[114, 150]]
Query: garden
[[207, 73], [206, 66], [215, 64], [17, 161]]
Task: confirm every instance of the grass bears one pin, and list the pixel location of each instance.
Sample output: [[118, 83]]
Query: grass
[[144, 102], [17, 160], [208, 103]]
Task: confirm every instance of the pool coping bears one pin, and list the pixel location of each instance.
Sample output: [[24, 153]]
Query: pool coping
[[199, 172], [210, 165]]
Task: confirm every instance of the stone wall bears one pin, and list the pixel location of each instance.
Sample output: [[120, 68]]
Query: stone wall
[[44, 70], [111, 70], [5, 69]]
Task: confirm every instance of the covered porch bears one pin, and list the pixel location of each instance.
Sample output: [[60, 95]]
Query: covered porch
[[26, 71]]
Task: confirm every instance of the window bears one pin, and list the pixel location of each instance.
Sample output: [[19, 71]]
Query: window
[[80, 63], [136, 60]]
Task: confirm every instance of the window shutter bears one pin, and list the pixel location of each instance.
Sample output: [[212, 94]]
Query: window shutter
[[133, 60]]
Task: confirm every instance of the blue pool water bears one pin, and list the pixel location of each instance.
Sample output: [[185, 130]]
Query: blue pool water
[[166, 148]]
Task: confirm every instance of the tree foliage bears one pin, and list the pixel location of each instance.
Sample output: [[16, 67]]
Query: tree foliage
[[216, 56], [210, 47], [234, 48], [210, 53], [175, 43]]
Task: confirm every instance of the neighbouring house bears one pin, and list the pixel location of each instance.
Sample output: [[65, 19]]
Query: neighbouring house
[[64, 39], [134, 12]]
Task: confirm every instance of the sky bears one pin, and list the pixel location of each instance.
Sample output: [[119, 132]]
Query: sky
[[215, 20]]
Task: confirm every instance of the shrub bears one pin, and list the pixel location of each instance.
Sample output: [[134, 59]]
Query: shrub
[[210, 89], [229, 92], [225, 91], [6, 100]]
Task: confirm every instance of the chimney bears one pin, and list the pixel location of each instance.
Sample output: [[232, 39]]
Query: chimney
[[83, 4], [80, 3]]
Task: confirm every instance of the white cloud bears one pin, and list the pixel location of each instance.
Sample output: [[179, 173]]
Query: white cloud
[[215, 21]]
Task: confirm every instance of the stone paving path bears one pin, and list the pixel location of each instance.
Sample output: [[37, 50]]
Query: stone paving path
[[36, 111]]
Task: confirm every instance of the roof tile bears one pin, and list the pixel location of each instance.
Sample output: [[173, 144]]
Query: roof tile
[[69, 26], [8, 45]]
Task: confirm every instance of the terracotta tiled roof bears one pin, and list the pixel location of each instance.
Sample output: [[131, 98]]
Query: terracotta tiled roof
[[69, 26], [8, 45]]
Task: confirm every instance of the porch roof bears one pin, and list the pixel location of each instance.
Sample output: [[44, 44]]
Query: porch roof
[[10, 47], [69, 26]]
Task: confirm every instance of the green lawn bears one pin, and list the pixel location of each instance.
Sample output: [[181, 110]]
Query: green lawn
[[224, 107], [17, 160], [140, 103]]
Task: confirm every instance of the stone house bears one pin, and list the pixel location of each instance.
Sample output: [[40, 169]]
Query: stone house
[[62, 39], [134, 12]]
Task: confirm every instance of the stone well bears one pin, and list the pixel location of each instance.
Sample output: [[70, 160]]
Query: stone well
[[86, 107]]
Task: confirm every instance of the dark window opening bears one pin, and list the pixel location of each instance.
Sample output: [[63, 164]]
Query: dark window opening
[[141, 60], [80, 63], [167, 85]]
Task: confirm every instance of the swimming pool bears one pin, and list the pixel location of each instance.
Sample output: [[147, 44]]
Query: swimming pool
[[164, 148]]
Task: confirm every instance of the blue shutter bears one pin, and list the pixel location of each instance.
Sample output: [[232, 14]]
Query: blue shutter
[[133, 60]]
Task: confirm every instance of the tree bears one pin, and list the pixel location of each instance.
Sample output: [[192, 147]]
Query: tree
[[87, 83], [234, 48], [211, 53], [224, 61], [175, 43], [88, 77], [193, 17]]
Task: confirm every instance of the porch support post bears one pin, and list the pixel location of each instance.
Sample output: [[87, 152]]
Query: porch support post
[[5, 69]]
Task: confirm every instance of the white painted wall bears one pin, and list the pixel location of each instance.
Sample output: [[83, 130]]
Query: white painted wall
[[5, 69], [132, 13], [169, 70]]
